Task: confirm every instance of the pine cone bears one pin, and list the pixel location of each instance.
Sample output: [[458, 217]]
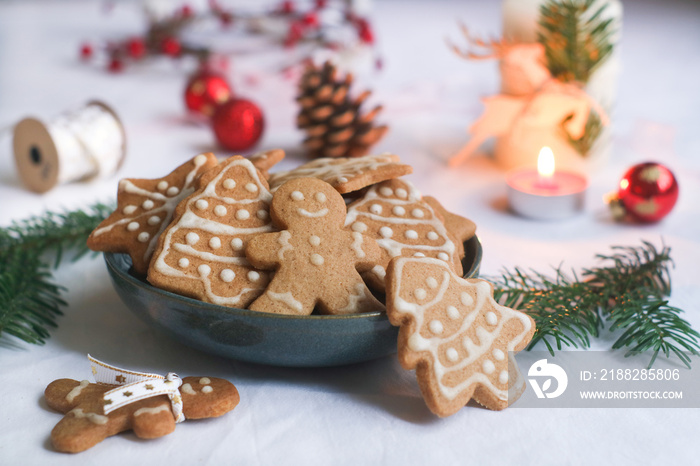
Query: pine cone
[[332, 120]]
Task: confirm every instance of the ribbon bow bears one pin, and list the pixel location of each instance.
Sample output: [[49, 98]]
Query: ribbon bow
[[135, 386]]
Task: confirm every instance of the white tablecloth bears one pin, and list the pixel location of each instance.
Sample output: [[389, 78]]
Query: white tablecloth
[[369, 413]]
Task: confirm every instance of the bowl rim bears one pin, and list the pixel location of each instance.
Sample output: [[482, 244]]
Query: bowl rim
[[115, 260]]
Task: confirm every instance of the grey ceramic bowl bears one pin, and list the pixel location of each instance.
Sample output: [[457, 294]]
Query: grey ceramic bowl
[[309, 341]]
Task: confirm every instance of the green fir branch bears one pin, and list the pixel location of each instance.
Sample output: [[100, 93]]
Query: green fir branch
[[627, 294], [30, 301]]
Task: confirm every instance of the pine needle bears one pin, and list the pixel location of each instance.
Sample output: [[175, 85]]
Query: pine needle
[[627, 294], [30, 301]]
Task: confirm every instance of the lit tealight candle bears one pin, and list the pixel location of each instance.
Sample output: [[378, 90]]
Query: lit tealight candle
[[546, 194]]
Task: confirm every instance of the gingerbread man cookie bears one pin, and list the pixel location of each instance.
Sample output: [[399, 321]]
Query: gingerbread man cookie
[[144, 210], [85, 423], [403, 223], [459, 340], [346, 174], [316, 261], [202, 253]]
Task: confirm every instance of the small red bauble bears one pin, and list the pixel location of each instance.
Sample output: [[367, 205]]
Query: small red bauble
[[136, 48], [205, 91], [171, 46], [115, 65], [86, 51], [647, 192], [238, 124]]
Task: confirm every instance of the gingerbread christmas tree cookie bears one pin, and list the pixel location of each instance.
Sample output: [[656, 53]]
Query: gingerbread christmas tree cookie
[[144, 210], [202, 253], [404, 224], [316, 261], [456, 337]]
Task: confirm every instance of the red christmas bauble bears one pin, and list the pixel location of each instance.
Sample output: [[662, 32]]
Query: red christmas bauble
[[205, 91], [648, 192], [238, 124], [136, 48]]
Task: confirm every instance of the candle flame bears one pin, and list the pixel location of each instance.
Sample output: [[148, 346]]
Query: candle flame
[[545, 163]]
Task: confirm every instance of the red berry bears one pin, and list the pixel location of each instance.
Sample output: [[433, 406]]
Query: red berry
[[186, 11], [320, 4], [366, 34], [226, 18], [171, 46], [295, 33], [310, 19], [287, 7], [86, 51], [115, 65], [136, 48]]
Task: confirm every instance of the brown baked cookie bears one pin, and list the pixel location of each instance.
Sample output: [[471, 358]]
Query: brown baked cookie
[[461, 228], [144, 209], [404, 224], [316, 261], [346, 174], [202, 253], [85, 424], [263, 161], [459, 340]]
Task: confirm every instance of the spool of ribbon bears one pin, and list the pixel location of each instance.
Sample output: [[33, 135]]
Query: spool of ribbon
[[80, 144], [135, 386]]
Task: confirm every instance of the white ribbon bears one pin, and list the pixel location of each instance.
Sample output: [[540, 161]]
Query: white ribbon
[[135, 386]]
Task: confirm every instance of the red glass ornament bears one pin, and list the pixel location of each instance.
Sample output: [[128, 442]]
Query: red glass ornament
[[648, 192], [86, 51], [205, 91], [238, 124], [310, 19], [364, 30], [136, 48], [171, 46]]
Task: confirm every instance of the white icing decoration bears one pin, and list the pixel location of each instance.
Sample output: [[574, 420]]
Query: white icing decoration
[[498, 355], [297, 195], [452, 354], [262, 214], [253, 276], [98, 419], [386, 191], [418, 254], [359, 227], [287, 298], [201, 159], [418, 213], [386, 232], [156, 410], [283, 240], [436, 327], [237, 244], [148, 204], [227, 275], [316, 259], [191, 237], [443, 256], [503, 377], [357, 240], [342, 179], [420, 293], [215, 242], [153, 220], [488, 367], [183, 262], [204, 270], [207, 389], [204, 381], [187, 388], [130, 209], [431, 282], [162, 185], [453, 312], [318, 213], [398, 210], [432, 235], [379, 271], [172, 191], [411, 234], [220, 210], [315, 240], [201, 204], [143, 236], [242, 214], [491, 318], [375, 209], [76, 391], [132, 226], [401, 193], [320, 197], [251, 187], [466, 299], [229, 183]]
